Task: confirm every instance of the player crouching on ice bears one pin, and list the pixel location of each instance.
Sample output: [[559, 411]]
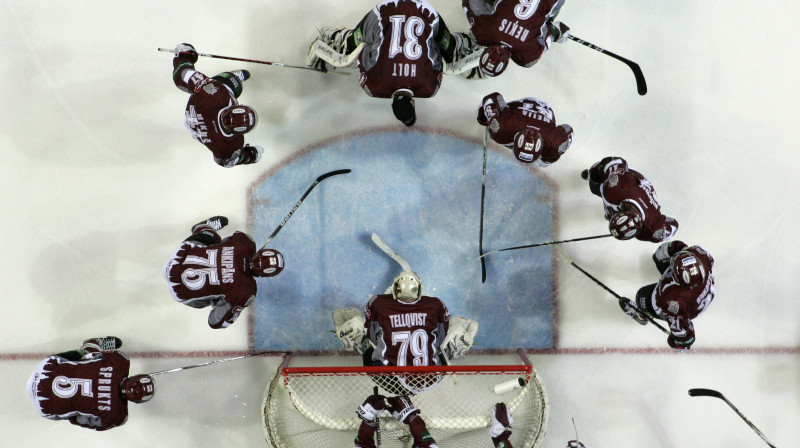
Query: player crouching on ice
[[399, 46], [683, 292], [404, 328], [404, 411], [90, 386], [630, 202], [207, 270], [526, 126], [213, 115]]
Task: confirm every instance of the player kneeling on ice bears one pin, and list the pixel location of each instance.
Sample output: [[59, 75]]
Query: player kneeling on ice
[[207, 270], [90, 386], [683, 292], [399, 47], [630, 202], [519, 30], [213, 115], [405, 328], [526, 126]]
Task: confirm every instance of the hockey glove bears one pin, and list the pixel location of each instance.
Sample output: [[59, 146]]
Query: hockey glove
[[501, 424], [680, 345], [214, 223], [186, 51], [403, 410], [254, 153], [369, 410], [560, 32], [575, 444]]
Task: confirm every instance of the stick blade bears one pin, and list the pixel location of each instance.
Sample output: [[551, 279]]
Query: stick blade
[[641, 84], [333, 173], [704, 393]]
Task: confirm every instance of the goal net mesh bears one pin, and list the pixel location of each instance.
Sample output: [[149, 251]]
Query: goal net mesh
[[315, 406]]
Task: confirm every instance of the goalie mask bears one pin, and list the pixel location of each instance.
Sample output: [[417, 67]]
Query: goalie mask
[[238, 119], [687, 270], [266, 263], [528, 145], [138, 388], [407, 287], [494, 60], [625, 223]]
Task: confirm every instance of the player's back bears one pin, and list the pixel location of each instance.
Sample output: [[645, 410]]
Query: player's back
[[689, 301], [208, 98], [197, 271], [630, 184], [61, 388], [521, 114], [400, 49], [407, 333], [519, 25]]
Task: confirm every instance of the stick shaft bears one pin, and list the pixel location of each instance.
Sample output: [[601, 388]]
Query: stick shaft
[[291, 212], [390, 252], [619, 297], [377, 421], [255, 61], [547, 244], [715, 394], [217, 361], [641, 84], [483, 196]]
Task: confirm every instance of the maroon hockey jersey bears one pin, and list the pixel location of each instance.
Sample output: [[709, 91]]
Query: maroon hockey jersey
[[216, 275], [400, 49], [524, 113], [620, 183], [520, 25], [406, 334], [680, 305], [208, 98], [86, 392]]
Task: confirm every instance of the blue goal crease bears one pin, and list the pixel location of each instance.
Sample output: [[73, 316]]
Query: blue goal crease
[[420, 192]]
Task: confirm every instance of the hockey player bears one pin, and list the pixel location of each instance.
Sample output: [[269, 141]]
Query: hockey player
[[405, 328], [404, 43], [683, 292], [630, 202], [520, 30], [213, 115], [90, 386], [404, 411], [209, 271], [527, 127]]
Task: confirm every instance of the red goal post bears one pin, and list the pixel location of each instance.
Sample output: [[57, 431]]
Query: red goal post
[[315, 406]]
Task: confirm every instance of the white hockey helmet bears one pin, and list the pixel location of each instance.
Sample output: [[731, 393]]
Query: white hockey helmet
[[407, 287]]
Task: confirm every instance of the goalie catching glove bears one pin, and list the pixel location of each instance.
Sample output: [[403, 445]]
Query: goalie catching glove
[[349, 328], [460, 337]]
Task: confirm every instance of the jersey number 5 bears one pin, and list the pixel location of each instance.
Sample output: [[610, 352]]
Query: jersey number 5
[[195, 278], [416, 341], [65, 387]]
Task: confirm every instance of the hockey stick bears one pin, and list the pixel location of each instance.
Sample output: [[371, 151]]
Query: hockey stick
[[392, 254], [214, 362], [464, 64], [333, 57], [255, 61], [377, 421], [483, 195], [713, 393], [641, 85], [319, 179], [619, 297], [545, 244]]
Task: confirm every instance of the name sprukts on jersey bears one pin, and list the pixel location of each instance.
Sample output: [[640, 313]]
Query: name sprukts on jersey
[[408, 320]]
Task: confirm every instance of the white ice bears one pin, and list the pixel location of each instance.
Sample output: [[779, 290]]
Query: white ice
[[100, 181]]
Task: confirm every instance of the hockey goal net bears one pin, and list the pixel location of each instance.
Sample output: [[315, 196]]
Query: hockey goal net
[[315, 406]]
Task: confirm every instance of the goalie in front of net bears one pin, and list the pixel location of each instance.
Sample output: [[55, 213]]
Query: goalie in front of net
[[405, 328], [404, 411]]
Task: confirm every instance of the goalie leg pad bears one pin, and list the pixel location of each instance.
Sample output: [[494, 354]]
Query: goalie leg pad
[[460, 337], [349, 327]]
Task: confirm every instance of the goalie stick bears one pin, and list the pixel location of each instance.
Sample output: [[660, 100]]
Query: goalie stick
[[483, 196], [715, 394], [641, 84], [319, 179], [217, 361], [333, 57], [545, 244], [255, 61], [619, 297], [377, 421]]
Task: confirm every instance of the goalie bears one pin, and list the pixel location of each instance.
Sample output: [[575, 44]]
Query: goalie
[[405, 328]]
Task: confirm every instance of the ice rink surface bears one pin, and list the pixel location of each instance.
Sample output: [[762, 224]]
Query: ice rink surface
[[101, 182]]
